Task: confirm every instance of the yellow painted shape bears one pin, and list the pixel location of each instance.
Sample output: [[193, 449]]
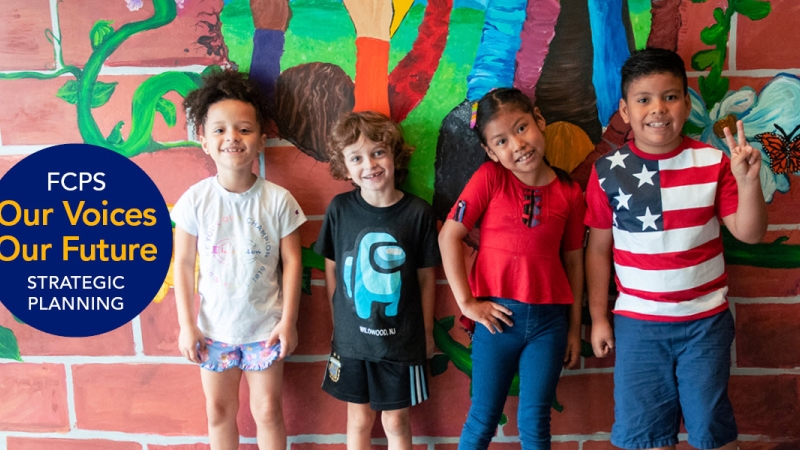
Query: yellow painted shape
[[400, 8], [169, 280], [566, 145]]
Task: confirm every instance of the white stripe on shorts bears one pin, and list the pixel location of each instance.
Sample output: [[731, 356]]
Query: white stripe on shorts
[[419, 389]]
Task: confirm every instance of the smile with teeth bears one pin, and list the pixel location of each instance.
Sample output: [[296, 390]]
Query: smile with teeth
[[232, 150], [372, 175], [658, 124], [525, 157]]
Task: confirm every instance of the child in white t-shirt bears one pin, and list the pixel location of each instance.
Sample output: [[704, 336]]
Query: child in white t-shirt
[[244, 230]]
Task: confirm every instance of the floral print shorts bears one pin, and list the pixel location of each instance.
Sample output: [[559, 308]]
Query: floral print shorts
[[253, 356]]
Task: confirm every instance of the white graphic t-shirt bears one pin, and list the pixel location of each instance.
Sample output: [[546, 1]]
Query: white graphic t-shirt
[[238, 240]]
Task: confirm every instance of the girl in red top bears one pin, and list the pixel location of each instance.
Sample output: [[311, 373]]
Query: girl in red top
[[528, 270]]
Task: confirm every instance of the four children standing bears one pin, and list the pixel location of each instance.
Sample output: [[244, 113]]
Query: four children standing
[[653, 204]]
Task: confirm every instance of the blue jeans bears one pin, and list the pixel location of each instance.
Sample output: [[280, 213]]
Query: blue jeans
[[535, 347]]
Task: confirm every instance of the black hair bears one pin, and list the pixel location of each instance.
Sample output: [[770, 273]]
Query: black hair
[[652, 61], [225, 85], [505, 99]]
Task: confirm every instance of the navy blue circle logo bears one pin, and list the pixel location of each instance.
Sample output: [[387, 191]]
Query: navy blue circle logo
[[85, 240]]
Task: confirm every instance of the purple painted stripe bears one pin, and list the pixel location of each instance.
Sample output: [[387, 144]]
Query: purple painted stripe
[[537, 32]]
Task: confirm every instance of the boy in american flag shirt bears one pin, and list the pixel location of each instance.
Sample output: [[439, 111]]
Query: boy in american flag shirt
[[655, 204]]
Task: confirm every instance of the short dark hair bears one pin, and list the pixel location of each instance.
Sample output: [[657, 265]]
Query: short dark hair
[[225, 85], [375, 127], [652, 61]]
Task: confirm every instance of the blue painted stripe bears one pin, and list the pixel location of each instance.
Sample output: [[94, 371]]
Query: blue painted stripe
[[610, 52], [495, 60]]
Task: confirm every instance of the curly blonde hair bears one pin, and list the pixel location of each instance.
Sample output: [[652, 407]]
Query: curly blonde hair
[[375, 127]]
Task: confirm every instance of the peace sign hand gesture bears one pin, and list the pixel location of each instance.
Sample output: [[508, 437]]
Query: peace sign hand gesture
[[745, 160]]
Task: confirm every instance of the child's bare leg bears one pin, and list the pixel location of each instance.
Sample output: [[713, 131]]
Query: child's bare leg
[[265, 404], [359, 426], [222, 405], [397, 426]]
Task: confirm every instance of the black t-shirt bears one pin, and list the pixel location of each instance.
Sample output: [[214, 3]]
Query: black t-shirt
[[377, 309]]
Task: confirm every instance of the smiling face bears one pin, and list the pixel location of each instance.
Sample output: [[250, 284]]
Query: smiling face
[[370, 165], [656, 107], [232, 135], [514, 139]]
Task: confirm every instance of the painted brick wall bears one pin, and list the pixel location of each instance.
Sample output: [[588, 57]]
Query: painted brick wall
[[130, 390]]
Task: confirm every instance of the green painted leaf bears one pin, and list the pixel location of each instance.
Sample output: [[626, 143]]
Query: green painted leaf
[[713, 87], [699, 1], [691, 129], [447, 323], [586, 349], [753, 9], [69, 92], [711, 35], [102, 92], [439, 364], [17, 319], [8, 345], [101, 30], [167, 110], [305, 285], [312, 259], [557, 406], [704, 59], [719, 15], [503, 419], [115, 137]]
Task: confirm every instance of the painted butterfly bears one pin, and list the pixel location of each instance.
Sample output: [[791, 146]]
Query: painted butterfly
[[783, 150]]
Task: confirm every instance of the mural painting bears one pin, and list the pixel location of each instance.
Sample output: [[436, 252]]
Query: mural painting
[[423, 63]]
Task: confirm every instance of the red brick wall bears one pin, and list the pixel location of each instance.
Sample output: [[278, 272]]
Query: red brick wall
[[129, 389]]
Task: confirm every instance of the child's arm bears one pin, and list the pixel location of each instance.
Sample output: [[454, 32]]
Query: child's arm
[[330, 281], [427, 289], [291, 260], [191, 341], [487, 313], [573, 266], [749, 222], [598, 272]]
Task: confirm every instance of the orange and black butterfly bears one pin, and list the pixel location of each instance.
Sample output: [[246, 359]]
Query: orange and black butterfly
[[783, 149]]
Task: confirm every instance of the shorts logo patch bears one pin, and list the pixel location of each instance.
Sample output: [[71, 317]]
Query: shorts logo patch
[[334, 368]]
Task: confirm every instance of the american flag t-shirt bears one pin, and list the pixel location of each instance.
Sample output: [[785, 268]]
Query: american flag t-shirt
[[663, 211]]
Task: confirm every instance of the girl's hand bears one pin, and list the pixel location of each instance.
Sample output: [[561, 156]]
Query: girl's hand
[[286, 333], [192, 344], [488, 314], [745, 160], [573, 354]]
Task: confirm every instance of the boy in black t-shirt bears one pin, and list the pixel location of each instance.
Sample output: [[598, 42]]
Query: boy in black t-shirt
[[380, 249]]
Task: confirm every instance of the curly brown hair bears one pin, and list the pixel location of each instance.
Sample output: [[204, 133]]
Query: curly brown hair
[[375, 127], [224, 85]]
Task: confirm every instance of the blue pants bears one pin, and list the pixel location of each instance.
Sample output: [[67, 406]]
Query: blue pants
[[666, 371], [535, 347]]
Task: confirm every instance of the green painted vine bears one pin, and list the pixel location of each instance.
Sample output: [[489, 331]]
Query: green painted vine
[[714, 86], [87, 93]]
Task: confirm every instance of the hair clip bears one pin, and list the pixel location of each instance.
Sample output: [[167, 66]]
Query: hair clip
[[474, 117]]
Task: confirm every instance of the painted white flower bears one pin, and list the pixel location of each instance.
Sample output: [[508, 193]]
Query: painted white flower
[[778, 103], [133, 5]]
